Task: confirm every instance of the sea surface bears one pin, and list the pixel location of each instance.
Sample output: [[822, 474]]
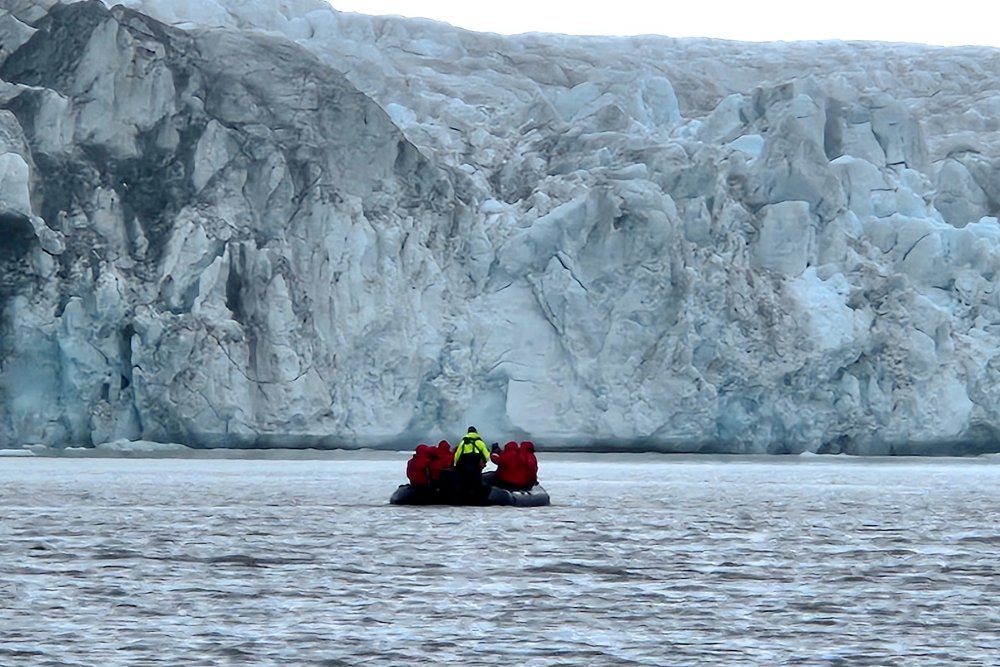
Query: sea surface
[[640, 560]]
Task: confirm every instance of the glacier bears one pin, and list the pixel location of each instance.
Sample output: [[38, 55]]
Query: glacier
[[273, 224]]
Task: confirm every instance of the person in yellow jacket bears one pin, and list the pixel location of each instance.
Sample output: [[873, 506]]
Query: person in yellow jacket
[[472, 444], [471, 455]]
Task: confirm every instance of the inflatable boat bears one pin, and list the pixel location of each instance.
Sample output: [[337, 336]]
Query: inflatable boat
[[535, 496]]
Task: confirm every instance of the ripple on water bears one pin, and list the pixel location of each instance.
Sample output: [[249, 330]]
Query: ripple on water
[[247, 562]]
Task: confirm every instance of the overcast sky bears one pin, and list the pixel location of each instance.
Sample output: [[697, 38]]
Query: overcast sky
[[945, 22]]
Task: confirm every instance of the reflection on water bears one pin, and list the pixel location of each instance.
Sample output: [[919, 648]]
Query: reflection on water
[[641, 560]]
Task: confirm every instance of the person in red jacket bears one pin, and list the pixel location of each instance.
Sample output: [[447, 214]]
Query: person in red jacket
[[440, 460], [418, 467], [510, 467], [530, 463]]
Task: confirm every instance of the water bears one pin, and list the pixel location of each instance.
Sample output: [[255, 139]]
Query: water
[[641, 560]]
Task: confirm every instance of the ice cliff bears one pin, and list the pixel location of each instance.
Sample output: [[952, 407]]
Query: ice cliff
[[269, 223]]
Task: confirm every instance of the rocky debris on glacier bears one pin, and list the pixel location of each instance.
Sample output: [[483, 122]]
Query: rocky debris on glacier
[[271, 224]]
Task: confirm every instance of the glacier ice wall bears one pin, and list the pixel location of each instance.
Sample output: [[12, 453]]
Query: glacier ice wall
[[275, 224]]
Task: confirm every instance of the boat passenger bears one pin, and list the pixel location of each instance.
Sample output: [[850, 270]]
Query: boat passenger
[[510, 467], [472, 446], [418, 467], [444, 452], [530, 463], [440, 461], [471, 455]]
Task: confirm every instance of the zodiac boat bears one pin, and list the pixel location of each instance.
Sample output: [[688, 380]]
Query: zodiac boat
[[535, 496]]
